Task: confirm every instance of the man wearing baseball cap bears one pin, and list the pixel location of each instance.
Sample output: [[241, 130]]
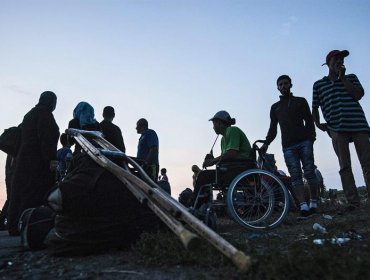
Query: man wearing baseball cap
[[235, 147], [338, 96]]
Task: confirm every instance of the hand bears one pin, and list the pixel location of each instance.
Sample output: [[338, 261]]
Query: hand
[[322, 126], [342, 72], [207, 163], [264, 148], [208, 157], [208, 160]]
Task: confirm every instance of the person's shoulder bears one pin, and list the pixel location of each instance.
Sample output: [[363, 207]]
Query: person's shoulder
[[351, 76], [275, 104], [300, 99], [320, 81], [234, 129], [151, 132], [74, 123]]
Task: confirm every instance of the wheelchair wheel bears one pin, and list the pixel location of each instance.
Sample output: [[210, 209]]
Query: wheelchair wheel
[[257, 200]]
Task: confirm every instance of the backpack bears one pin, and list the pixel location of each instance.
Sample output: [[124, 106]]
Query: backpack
[[34, 225], [10, 140]]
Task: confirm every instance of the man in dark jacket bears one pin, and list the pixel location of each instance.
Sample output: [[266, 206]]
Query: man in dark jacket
[[35, 161], [297, 136], [112, 132]]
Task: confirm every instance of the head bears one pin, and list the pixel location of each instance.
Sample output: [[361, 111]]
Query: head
[[84, 112], [64, 140], [163, 171], [108, 113], [335, 60], [141, 126], [47, 100], [284, 84], [221, 121]]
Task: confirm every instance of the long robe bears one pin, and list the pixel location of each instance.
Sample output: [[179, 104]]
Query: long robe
[[32, 175]]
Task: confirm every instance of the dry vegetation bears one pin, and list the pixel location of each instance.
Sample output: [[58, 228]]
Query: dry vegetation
[[287, 252]]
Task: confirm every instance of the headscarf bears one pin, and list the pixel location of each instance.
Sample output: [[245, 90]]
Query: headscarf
[[84, 112], [48, 100]]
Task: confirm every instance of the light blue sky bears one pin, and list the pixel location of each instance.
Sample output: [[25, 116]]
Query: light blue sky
[[176, 63]]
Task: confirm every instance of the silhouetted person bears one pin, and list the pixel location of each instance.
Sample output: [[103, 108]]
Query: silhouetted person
[[64, 156], [293, 115], [83, 118], [111, 131], [163, 181], [35, 161], [9, 171], [163, 176], [338, 95], [147, 149]]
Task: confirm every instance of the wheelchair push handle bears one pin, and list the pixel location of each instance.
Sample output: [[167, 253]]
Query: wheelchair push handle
[[256, 147]]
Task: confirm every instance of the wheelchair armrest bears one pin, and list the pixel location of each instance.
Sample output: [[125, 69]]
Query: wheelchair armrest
[[226, 165]]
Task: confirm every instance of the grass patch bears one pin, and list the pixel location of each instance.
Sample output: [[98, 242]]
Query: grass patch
[[164, 248]]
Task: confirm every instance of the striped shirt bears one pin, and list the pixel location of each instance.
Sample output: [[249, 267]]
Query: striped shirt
[[341, 112]]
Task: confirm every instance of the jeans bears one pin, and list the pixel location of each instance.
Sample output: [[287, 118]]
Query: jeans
[[341, 142], [294, 156]]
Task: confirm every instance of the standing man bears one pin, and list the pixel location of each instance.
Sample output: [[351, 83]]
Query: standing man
[[338, 96], [111, 132], [297, 136], [147, 149]]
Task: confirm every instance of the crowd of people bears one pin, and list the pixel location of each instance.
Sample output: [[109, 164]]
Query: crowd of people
[[338, 96], [39, 169]]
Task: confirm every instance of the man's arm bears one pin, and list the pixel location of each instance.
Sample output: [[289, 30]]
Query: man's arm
[[356, 92], [308, 120], [272, 132], [151, 155], [228, 155], [316, 119]]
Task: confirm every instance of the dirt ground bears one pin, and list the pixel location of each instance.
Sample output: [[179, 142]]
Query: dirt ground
[[292, 234]]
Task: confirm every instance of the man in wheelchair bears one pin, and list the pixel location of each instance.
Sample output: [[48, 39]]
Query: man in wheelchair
[[235, 157]]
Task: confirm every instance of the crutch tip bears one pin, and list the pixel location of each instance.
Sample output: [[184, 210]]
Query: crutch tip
[[242, 261]]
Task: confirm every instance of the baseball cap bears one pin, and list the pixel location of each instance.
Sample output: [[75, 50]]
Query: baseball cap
[[332, 53], [223, 116]]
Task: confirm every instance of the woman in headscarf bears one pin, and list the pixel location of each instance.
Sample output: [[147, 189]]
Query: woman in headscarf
[[34, 174], [83, 118]]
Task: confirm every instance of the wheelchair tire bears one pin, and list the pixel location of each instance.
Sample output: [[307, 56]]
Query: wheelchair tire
[[257, 200]]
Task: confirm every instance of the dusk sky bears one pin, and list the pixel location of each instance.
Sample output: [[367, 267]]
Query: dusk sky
[[176, 63]]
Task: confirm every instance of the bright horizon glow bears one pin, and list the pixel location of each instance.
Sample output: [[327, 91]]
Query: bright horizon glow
[[176, 63]]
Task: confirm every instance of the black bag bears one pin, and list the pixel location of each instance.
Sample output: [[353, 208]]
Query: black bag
[[10, 140], [34, 225]]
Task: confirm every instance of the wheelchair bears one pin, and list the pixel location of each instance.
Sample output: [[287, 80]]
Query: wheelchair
[[254, 198]]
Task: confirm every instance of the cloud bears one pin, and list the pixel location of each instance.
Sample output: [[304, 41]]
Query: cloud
[[18, 90], [14, 84], [286, 27]]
